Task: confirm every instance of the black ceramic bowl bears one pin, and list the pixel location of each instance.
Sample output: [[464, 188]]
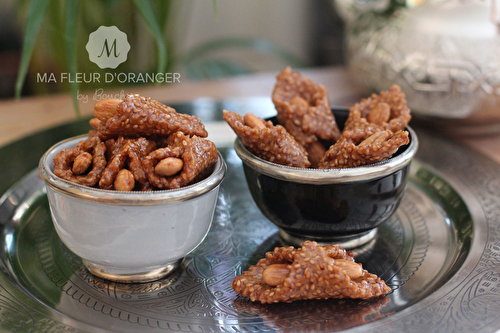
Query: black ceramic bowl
[[342, 206]]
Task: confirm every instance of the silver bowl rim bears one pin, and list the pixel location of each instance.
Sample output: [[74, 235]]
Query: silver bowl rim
[[132, 198], [329, 176]]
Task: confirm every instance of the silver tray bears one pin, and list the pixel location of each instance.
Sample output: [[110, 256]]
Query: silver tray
[[439, 253]]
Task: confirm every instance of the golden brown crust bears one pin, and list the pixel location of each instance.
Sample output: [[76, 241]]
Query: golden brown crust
[[63, 161], [124, 133], [385, 111], [373, 132], [313, 274], [271, 143], [197, 155], [126, 154], [378, 147], [142, 116], [304, 110]]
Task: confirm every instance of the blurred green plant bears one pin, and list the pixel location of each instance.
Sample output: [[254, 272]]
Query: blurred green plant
[[61, 20], [48, 22]]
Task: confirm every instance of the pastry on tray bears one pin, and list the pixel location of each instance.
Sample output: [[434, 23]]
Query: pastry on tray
[[310, 272]]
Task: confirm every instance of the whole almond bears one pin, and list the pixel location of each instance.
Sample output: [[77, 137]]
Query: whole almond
[[274, 274], [169, 166], [299, 101], [253, 121], [107, 108], [81, 163], [379, 114], [95, 123], [124, 181], [350, 268], [378, 137]]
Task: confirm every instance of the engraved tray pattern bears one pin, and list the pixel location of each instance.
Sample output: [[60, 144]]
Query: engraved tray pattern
[[440, 254]]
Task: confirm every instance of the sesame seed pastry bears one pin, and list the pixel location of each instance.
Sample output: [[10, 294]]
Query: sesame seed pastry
[[310, 272], [126, 155], [181, 162], [138, 144], [386, 111], [346, 153], [83, 164], [142, 116], [269, 142], [304, 110]]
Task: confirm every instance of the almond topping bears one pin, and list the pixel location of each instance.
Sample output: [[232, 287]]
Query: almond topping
[[378, 137], [124, 181], [351, 268], [274, 275], [379, 114], [169, 166], [82, 163], [299, 101], [95, 123], [107, 108], [253, 121]]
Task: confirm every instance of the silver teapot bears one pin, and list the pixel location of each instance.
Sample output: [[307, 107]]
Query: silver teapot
[[445, 55]]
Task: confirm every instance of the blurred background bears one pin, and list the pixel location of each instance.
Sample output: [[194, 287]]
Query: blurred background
[[444, 54], [205, 39]]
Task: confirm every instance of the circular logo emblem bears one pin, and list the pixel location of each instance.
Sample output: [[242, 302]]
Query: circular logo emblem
[[107, 47]]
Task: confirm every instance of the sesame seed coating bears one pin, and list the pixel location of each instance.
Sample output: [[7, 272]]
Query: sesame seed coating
[[126, 132], [304, 108], [308, 135], [198, 155], [365, 118], [63, 161], [345, 153], [121, 151], [142, 116], [313, 274], [271, 143]]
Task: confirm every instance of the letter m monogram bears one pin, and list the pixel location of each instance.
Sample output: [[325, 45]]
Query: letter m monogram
[[108, 50], [107, 47]]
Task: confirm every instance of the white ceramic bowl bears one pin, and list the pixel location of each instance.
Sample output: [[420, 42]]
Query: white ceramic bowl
[[130, 236]]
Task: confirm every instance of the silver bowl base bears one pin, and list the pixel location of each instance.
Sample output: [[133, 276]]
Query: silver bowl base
[[347, 242], [131, 276]]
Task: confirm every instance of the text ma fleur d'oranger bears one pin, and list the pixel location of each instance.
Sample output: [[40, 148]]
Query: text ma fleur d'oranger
[[126, 78]]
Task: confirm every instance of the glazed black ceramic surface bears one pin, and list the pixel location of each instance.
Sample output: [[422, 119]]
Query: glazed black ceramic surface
[[327, 210], [328, 205]]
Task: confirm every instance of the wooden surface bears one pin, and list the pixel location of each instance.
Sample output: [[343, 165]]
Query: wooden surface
[[28, 115]]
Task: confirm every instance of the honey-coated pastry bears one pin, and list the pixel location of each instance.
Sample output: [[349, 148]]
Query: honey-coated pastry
[[125, 154], [141, 116], [269, 142], [127, 131], [345, 153], [386, 111], [304, 110], [83, 164], [310, 272], [181, 162]]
